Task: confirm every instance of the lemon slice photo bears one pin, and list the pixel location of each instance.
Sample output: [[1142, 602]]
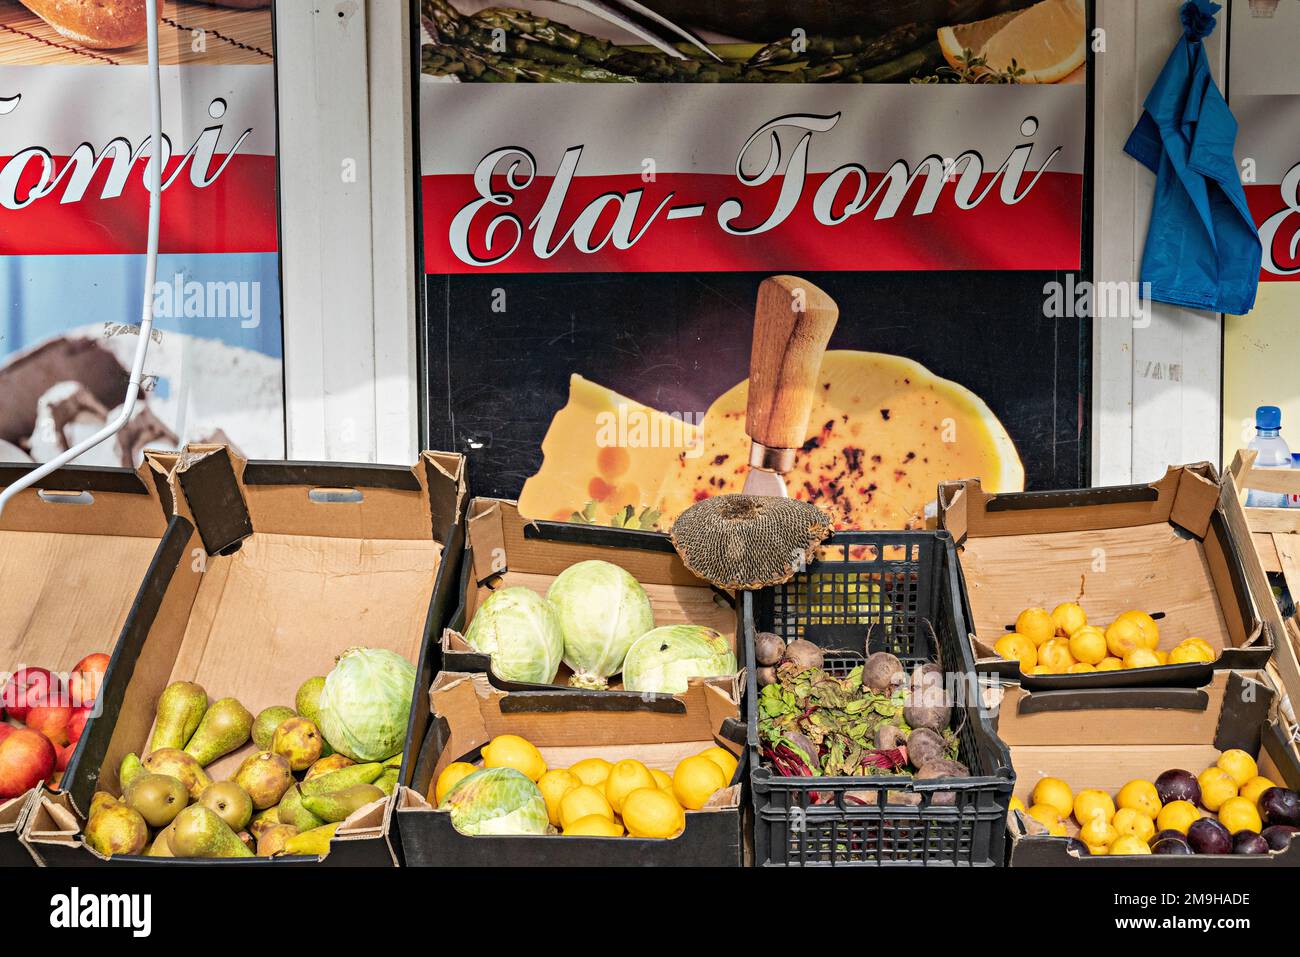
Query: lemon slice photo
[[1048, 41]]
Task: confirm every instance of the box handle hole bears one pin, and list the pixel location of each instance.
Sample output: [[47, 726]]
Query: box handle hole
[[66, 498]]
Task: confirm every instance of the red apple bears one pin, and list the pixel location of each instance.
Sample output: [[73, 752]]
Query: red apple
[[77, 724], [62, 756], [28, 688], [51, 720], [6, 730], [26, 759], [87, 679]]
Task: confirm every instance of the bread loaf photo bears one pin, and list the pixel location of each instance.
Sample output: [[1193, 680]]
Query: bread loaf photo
[[97, 24]]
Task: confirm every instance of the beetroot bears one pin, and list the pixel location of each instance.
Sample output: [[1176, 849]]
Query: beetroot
[[766, 676], [889, 736], [883, 673], [768, 648], [925, 746], [943, 768], [927, 702], [804, 655]]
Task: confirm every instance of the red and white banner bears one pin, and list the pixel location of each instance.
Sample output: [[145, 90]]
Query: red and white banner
[[696, 177], [75, 151], [1269, 153]]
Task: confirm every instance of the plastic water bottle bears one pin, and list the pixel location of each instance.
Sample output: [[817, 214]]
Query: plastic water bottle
[[1273, 454]]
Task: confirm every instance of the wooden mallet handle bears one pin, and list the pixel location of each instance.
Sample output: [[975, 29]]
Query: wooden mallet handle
[[793, 323]]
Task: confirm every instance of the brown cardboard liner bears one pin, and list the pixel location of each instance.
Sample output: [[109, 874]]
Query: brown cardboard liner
[[75, 554], [469, 711], [274, 582], [1104, 738], [1167, 548], [503, 549]]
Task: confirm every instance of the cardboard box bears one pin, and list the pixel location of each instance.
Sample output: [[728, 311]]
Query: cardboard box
[[504, 549], [285, 566], [75, 561], [1106, 737], [567, 727], [1166, 548]]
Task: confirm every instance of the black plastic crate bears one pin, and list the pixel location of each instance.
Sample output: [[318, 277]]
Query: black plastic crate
[[868, 592]]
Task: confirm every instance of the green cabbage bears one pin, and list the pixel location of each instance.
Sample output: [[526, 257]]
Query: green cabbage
[[662, 660], [602, 610], [520, 630], [366, 703], [496, 801]]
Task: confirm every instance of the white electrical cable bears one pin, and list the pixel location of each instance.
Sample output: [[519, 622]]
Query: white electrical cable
[[150, 276]]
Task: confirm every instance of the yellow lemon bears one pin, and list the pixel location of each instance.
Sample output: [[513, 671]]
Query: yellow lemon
[[592, 771], [1217, 786], [1140, 796], [1055, 654], [1080, 668], [1043, 670], [594, 825], [1017, 805], [624, 778], [1055, 793], [512, 751], [1046, 41], [1036, 625], [1177, 816], [1098, 830], [1189, 653], [1098, 850], [1123, 636], [1241, 767], [1240, 814], [1068, 618], [1203, 645], [1088, 645], [1129, 844], [1014, 646], [1161, 656], [1255, 787], [451, 776], [1093, 802], [1047, 815], [1141, 658], [662, 781], [1131, 821], [1146, 625], [723, 759], [582, 801], [651, 812], [695, 780], [554, 784], [1110, 663]]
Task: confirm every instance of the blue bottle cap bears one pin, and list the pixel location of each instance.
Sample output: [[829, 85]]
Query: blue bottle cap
[[1268, 417]]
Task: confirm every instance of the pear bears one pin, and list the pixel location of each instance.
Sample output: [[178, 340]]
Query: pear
[[395, 761], [231, 802], [387, 782], [263, 821], [180, 709], [337, 805], [344, 778], [116, 830], [268, 719], [180, 766], [200, 832], [129, 769], [315, 843], [157, 797], [273, 839], [100, 801], [335, 762], [265, 776], [225, 727], [299, 742], [162, 846], [307, 700], [291, 811]]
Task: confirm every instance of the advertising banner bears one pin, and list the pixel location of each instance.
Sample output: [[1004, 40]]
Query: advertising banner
[[74, 154], [601, 208]]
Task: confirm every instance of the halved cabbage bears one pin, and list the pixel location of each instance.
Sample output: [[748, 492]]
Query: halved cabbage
[[664, 659]]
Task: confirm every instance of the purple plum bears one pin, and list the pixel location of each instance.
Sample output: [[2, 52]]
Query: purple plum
[[1280, 806], [1278, 836], [1248, 842], [1178, 785], [1174, 844], [1208, 836]]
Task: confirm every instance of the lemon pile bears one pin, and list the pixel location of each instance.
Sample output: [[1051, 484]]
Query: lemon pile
[[1230, 788], [1062, 642], [598, 798]]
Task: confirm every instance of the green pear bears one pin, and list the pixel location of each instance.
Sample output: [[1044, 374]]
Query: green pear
[[100, 801], [268, 719], [225, 727], [335, 762], [338, 805], [307, 700], [298, 741], [313, 843], [263, 821], [265, 776], [273, 840], [129, 770], [116, 829], [162, 846], [395, 761], [200, 832], [231, 802], [180, 766], [344, 778], [291, 811], [158, 798], [387, 782], [180, 709]]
